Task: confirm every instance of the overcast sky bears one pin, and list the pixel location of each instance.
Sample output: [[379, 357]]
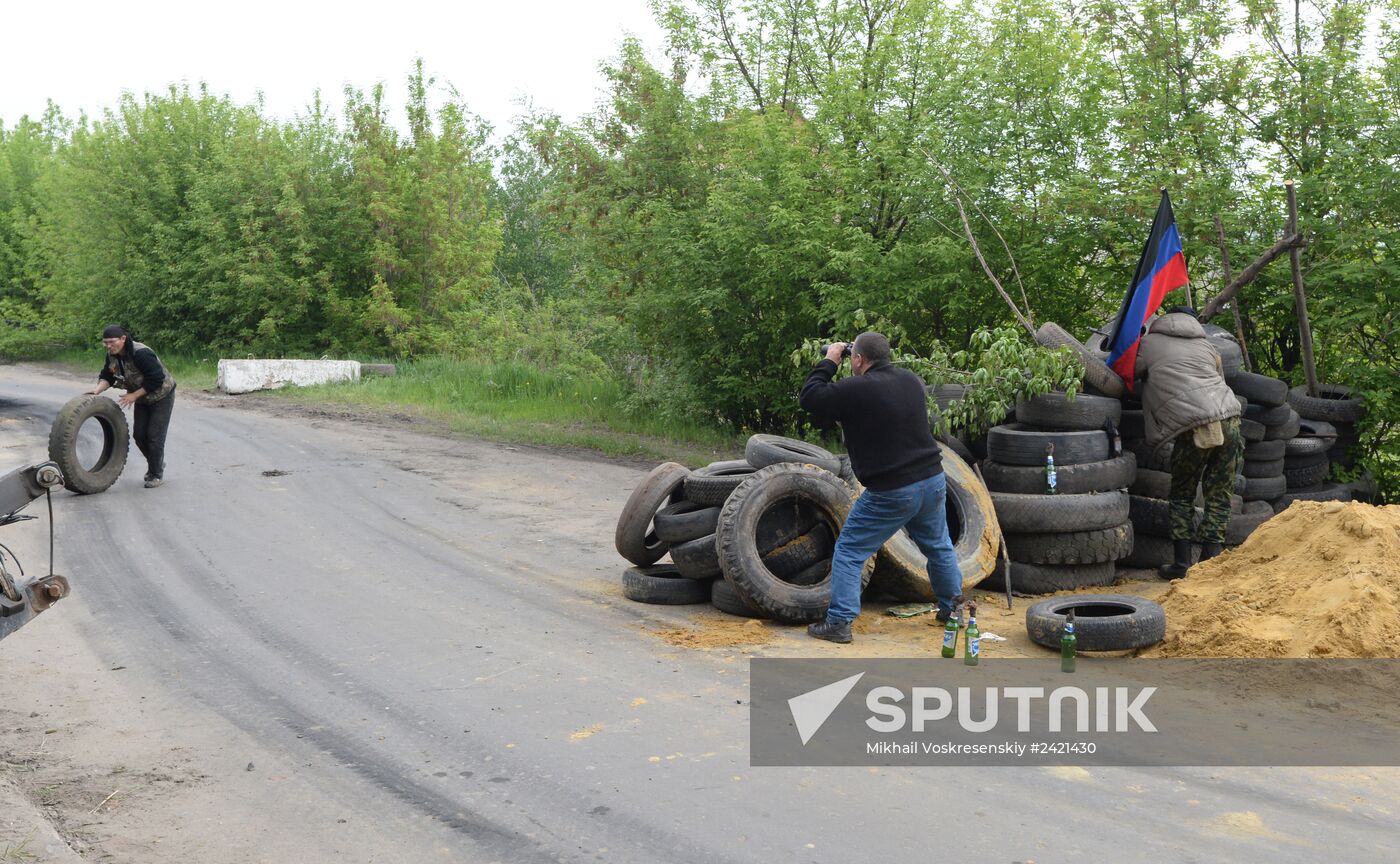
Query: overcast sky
[[82, 55]]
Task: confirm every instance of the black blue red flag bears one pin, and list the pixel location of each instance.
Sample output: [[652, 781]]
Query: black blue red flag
[[1161, 271]]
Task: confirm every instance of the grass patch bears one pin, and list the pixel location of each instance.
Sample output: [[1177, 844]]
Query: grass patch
[[193, 373], [518, 403]]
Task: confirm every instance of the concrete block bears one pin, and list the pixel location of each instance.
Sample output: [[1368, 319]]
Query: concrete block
[[246, 376]]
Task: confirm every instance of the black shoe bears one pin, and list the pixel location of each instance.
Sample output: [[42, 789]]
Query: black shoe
[[942, 617], [1181, 554], [1210, 550], [831, 631], [149, 477]]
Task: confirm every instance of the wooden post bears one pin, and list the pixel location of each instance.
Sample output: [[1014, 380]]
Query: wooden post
[[1229, 277], [1301, 299]]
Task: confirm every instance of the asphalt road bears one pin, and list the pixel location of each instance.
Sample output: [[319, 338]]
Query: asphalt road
[[431, 631]]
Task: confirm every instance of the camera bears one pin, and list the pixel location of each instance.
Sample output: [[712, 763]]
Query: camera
[[846, 352]]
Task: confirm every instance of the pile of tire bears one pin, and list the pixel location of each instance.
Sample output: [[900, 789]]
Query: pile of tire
[[752, 536], [1329, 438], [1073, 538]]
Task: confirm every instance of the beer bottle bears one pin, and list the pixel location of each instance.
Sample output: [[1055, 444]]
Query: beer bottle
[[1068, 643], [950, 632], [973, 646]]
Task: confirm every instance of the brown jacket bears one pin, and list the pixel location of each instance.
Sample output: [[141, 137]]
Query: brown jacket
[[1185, 382]]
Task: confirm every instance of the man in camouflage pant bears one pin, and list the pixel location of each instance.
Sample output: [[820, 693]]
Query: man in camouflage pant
[[1215, 469], [1186, 402]]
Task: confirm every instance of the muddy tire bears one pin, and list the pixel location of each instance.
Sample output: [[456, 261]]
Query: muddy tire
[[1034, 579], [724, 598], [712, 484], [1102, 476], [764, 450], [1049, 514], [63, 443], [736, 539], [1057, 411], [1102, 622], [662, 585], [1072, 547], [1096, 372], [1259, 389], [684, 521], [1017, 444], [697, 559], [635, 540], [797, 555], [1334, 403], [901, 569]]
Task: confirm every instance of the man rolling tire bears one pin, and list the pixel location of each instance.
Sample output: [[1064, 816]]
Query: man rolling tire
[[150, 390]]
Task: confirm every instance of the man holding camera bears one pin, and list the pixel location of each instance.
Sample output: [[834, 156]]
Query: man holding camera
[[883, 411]]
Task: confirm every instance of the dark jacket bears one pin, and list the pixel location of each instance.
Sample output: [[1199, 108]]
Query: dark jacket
[[1185, 385], [137, 367], [884, 414]]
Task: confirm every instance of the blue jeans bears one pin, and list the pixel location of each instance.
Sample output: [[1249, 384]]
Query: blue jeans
[[874, 518]]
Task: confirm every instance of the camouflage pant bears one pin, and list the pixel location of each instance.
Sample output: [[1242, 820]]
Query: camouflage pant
[[1215, 471]]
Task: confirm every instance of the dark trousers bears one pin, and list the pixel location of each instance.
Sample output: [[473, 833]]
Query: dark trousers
[[152, 421]]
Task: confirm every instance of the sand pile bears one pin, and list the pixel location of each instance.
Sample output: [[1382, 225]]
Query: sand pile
[[1321, 579], [720, 631]]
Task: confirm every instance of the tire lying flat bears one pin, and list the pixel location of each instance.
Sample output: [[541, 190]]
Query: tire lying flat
[[1102, 622]]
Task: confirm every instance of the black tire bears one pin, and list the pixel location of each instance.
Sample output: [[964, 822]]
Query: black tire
[[1264, 488], [1285, 430], [1334, 403], [1275, 415], [1152, 484], [1242, 524], [1263, 468], [1231, 357], [1259, 389], [801, 553], [1035, 514], [1306, 460], [662, 585], [1132, 424], [1320, 492], [1074, 547], [713, 484], [901, 569], [740, 559], [1151, 517], [1152, 552], [63, 443], [1102, 622], [1057, 411], [635, 539], [764, 450], [1096, 373], [685, 521], [1251, 431], [1307, 476], [1035, 579], [1102, 476], [1017, 444], [1159, 459], [697, 559], [724, 598], [1298, 447], [1323, 429], [1263, 451], [958, 447]]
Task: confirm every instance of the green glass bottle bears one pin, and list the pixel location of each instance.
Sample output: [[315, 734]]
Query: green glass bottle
[[950, 633], [973, 646], [1068, 643]]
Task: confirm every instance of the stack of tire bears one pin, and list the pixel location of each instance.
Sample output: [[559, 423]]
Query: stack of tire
[[1328, 439], [752, 536], [1070, 539]]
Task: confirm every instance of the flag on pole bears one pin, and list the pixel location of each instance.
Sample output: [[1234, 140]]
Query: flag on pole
[[1161, 271]]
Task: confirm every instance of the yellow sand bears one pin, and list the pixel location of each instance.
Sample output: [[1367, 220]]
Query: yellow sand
[[1321, 579]]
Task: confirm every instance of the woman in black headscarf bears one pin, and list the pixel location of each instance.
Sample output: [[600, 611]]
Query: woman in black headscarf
[[149, 387]]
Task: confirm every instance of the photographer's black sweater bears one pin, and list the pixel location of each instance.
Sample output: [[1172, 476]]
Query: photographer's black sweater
[[885, 416]]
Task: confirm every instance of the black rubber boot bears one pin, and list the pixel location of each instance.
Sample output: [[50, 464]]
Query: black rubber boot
[[1210, 550], [1181, 552], [831, 631]]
